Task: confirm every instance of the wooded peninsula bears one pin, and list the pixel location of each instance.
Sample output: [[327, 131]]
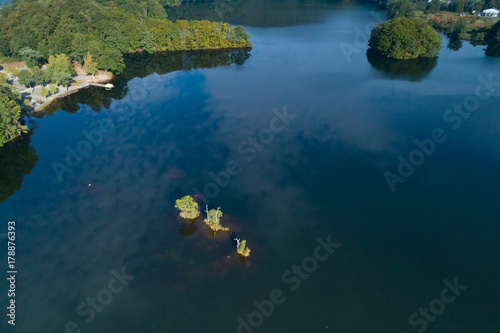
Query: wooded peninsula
[[55, 37]]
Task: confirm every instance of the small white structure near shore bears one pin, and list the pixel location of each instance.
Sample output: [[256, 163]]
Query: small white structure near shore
[[492, 12]]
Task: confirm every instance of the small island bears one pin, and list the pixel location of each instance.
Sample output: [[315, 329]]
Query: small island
[[213, 219], [242, 249], [404, 38], [458, 20], [189, 209]]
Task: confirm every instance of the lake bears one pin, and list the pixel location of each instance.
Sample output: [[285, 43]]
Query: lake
[[367, 190]]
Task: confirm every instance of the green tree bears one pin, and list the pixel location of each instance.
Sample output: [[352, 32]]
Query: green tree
[[403, 38], [241, 246], [25, 78], [60, 70], [79, 47], [31, 57], [7, 90], [111, 60], [479, 6], [12, 71], [148, 42], [213, 219], [434, 6], [188, 207], [400, 8], [240, 36], [62, 78], [38, 76], [10, 111], [16, 71], [90, 65], [44, 92], [53, 89], [458, 6], [459, 30]]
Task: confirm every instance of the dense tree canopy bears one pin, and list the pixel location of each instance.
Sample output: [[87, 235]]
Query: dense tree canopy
[[400, 8], [97, 33], [10, 111], [34, 30], [188, 207], [403, 38]]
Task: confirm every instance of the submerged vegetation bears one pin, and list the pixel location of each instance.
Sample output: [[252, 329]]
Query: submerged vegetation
[[405, 38], [188, 208]]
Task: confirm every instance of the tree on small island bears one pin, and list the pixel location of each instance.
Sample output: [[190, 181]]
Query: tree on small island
[[188, 207], [242, 248], [403, 39], [213, 219]]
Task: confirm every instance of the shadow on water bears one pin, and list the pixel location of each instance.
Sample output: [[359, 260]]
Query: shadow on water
[[142, 65], [188, 229], [493, 50], [455, 43], [407, 70], [256, 13], [17, 159]]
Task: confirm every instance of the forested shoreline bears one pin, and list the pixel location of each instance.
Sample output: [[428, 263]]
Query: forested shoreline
[[410, 31], [94, 35], [37, 29]]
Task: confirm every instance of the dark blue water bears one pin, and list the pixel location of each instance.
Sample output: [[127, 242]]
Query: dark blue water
[[319, 174]]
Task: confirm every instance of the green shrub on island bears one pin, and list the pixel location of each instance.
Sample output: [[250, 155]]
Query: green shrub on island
[[242, 248], [213, 219], [403, 39], [188, 207]]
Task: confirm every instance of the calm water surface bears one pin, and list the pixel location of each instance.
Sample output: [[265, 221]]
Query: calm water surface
[[174, 120]]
